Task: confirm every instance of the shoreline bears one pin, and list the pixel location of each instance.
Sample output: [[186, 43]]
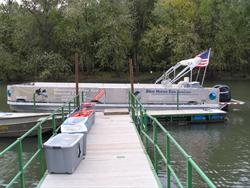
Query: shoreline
[[145, 77]]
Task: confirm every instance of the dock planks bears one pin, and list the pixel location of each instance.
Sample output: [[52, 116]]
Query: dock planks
[[116, 111], [115, 158]]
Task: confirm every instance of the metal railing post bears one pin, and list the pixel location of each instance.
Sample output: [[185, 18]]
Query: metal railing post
[[77, 100], [137, 114], [69, 107], [136, 104], [145, 121], [74, 102], [138, 118], [40, 147], [133, 107], [189, 173], [155, 134], [168, 161], [177, 99], [82, 94], [129, 101], [34, 102], [141, 121], [53, 121], [62, 111], [20, 162]]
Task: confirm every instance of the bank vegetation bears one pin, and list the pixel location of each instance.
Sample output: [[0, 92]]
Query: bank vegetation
[[38, 38]]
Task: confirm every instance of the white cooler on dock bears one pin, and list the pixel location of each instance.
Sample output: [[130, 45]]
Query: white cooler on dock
[[75, 125], [63, 153], [81, 121]]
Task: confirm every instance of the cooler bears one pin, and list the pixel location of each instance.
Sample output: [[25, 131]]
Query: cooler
[[63, 153], [87, 117], [75, 125]]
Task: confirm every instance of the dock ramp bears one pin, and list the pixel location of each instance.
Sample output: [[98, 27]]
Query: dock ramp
[[115, 158]]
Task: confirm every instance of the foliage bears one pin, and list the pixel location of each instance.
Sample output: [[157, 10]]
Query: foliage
[[38, 38], [51, 66]]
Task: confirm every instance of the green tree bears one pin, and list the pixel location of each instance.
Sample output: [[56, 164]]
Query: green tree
[[114, 43], [172, 31], [40, 37], [49, 66], [233, 37], [141, 11]]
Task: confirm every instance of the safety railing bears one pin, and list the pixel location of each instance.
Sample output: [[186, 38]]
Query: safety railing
[[38, 154], [141, 120]]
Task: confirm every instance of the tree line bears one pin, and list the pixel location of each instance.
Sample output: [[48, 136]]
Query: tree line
[[38, 38]]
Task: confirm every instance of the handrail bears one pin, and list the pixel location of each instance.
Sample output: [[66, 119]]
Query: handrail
[[18, 143], [141, 119]]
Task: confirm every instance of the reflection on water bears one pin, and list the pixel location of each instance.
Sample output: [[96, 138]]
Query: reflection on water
[[222, 151], [9, 162]]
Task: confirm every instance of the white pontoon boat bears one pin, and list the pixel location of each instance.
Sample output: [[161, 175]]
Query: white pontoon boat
[[167, 91]]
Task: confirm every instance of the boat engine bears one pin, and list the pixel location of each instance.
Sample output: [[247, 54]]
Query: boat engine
[[225, 93]]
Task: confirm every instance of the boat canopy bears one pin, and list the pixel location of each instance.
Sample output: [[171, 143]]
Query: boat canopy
[[188, 64], [200, 61]]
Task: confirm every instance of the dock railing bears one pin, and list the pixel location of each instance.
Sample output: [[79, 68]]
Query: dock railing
[[19, 178], [141, 120]]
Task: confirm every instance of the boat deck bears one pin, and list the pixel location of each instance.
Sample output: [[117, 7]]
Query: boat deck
[[115, 158], [190, 115], [187, 112]]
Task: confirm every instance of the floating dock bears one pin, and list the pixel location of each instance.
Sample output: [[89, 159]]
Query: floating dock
[[190, 115], [115, 158]]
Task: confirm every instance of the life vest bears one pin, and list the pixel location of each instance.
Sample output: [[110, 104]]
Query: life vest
[[83, 113]]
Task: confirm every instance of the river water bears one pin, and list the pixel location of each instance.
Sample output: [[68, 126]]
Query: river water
[[221, 150]]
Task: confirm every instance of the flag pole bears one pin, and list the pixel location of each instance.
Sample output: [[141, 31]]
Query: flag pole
[[204, 76], [198, 74]]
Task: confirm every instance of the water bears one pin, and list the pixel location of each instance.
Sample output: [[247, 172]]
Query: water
[[222, 151], [9, 163]]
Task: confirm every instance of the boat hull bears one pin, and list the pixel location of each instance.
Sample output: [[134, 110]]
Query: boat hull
[[49, 107], [20, 96], [18, 130], [16, 124]]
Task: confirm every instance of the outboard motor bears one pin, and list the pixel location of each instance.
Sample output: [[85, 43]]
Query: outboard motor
[[225, 93]]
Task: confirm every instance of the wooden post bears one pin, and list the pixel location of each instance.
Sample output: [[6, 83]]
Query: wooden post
[[77, 78], [131, 75]]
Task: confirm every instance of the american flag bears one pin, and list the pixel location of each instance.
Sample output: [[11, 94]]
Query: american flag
[[204, 58]]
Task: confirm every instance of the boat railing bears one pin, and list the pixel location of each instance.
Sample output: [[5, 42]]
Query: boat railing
[[141, 120], [23, 165]]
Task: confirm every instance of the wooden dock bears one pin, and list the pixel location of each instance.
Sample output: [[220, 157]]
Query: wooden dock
[[187, 112], [190, 115], [115, 158]]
